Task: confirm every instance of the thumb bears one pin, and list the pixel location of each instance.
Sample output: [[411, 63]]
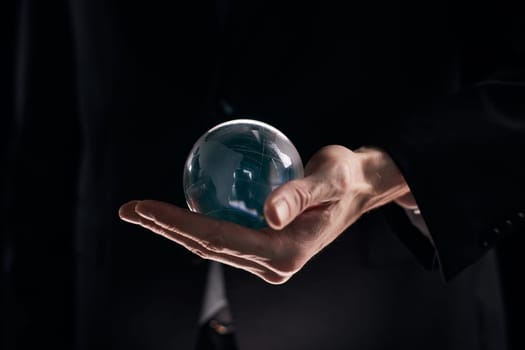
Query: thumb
[[289, 200]]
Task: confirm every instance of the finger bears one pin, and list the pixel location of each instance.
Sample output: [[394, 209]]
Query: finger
[[274, 261], [216, 235], [127, 212], [291, 199], [205, 253], [262, 270]]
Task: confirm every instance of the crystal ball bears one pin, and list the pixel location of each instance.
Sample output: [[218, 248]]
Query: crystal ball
[[233, 167]]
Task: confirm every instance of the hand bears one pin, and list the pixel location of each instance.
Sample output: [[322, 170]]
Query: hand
[[304, 215]]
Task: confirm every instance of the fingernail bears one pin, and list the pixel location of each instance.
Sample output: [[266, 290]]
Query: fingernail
[[282, 210]]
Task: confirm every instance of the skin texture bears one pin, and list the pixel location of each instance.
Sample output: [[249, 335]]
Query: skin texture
[[304, 215]]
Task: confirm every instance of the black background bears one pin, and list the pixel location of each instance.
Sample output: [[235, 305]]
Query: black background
[[53, 91]]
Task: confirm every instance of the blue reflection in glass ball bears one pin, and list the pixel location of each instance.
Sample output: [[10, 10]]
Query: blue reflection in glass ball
[[233, 167]]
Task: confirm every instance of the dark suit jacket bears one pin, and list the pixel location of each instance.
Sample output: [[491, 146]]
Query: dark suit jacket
[[115, 93]]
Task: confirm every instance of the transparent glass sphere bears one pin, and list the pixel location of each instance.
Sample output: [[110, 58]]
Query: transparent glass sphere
[[234, 166]]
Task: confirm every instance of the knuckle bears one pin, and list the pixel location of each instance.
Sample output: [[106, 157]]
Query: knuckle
[[303, 196], [341, 178]]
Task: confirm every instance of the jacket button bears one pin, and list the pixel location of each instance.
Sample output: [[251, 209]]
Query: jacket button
[[521, 215]]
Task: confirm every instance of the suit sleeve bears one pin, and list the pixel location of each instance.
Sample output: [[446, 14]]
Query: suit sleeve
[[464, 160], [463, 154]]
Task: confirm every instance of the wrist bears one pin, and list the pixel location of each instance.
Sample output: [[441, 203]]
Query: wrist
[[383, 176]]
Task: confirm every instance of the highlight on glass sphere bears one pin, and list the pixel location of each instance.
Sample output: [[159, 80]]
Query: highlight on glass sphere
[[234, 166]]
